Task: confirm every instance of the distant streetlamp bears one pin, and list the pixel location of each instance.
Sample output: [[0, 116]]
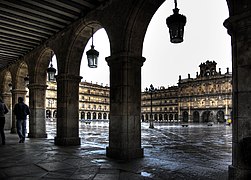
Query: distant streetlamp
[[92, 55], [151, 90], [176, 23], [51, 71]]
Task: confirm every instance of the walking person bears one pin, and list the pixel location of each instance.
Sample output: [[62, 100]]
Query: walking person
[[21, 110], [3, 110]]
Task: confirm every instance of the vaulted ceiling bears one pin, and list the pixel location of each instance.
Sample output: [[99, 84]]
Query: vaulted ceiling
[[26, 24]]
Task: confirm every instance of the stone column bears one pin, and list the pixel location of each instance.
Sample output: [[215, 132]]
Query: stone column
[[67, 110], [15, 94], [239, 28], [8, 119], [37, 127], [125, 107]]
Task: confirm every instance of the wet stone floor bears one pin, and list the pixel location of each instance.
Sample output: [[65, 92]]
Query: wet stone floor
[[170, 152]]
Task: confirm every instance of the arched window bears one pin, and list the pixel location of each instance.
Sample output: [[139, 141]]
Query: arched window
[[94, 116], [99, 116]]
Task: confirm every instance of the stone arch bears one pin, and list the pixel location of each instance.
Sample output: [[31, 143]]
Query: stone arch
[[94, 115], [147, 118], [105, 116], [185, 116], [99, 115], [39, 62], [165, 117], [206, 116], [78, 38], [220, 116], [160, 117], [47, 112], [132, 35], [55, 113], [171, 117], [155, 117], [82, 116], [22, 72], [196, 116], [6, 95], [88, 115], [6, 79], [42, 63]]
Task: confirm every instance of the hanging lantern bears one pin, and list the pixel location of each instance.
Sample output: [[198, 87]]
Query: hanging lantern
[[26, 80], [176, 23], [92, 55], [51, 71]]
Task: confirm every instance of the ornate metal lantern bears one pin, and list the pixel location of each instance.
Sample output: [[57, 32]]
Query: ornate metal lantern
[[92, 55], [51, 71], [176, 23]]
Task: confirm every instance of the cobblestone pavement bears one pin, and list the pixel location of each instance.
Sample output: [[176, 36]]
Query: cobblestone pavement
[[171, 152]]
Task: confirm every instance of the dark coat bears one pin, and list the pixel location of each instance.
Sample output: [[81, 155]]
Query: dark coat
[[3, 109], [21, 111]]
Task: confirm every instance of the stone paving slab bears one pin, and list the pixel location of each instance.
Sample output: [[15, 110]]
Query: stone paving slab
[[165, 158]]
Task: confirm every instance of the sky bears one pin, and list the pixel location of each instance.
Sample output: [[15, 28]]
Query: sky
[[205, 38]]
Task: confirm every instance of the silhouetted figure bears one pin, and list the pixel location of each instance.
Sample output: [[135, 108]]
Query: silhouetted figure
[[21, 110], [3, 110]]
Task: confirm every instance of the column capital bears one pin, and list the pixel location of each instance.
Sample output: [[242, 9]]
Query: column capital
[[125, 57], [235, 23], [68, 77], [37, 86], [6, 94], [18, 91]]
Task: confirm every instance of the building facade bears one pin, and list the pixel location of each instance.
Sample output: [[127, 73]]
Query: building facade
[[205, 98], [93, 101], [164, 104], [126, 43]]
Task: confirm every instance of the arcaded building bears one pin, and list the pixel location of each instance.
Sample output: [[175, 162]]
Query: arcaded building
[[204, 98], [30, 36], [93, 100], [207, 97], [164, 104]]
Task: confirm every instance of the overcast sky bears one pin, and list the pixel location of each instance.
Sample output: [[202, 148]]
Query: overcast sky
[[205, 38]]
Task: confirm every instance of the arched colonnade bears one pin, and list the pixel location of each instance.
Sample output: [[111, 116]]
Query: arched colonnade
[[125, 23]]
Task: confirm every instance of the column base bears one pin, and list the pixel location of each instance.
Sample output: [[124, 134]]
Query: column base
[[13, 130], [235, 173], [124, 154], [67, 141], [32, 135]]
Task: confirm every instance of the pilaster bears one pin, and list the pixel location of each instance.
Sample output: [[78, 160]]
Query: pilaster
[[125, 107]]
